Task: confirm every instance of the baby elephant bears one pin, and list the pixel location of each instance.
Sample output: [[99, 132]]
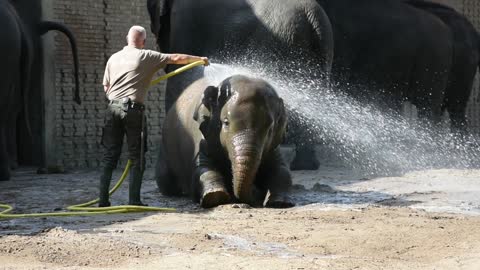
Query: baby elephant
[[221, 145]]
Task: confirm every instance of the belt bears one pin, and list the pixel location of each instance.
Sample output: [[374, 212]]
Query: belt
[[127, 102]]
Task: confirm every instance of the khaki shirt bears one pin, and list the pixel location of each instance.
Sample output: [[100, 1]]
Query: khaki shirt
[[130, 71]]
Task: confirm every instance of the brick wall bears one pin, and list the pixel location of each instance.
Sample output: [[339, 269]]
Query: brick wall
[[100, 27]]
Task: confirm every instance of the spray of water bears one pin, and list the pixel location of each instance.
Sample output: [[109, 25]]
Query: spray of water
[[362, 136]]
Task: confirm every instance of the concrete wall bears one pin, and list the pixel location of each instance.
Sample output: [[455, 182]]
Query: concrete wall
[[100, 26]]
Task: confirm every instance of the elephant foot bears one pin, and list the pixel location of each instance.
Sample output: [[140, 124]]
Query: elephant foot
[[305, 159], [279, 200], [214, 197]]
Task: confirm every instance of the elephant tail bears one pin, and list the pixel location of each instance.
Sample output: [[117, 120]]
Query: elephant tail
[[46, 26], [26, 62]]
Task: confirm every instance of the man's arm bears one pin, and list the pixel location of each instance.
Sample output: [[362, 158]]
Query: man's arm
[[181, 59], [105, 88]]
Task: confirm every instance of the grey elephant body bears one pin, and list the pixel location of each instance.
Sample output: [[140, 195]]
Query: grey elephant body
[[466, 59], [387, 51], [198, 159], [10, 70], [282, 35], [21, 77]]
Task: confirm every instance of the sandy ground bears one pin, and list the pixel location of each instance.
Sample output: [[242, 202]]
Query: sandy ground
[[343, 220]]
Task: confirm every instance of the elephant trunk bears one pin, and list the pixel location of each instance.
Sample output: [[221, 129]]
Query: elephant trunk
[[46, 26], [246, 158]]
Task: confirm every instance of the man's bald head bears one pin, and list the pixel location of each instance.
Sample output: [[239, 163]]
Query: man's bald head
[[137, 36]]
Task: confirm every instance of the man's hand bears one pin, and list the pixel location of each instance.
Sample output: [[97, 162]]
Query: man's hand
[[205, 60]]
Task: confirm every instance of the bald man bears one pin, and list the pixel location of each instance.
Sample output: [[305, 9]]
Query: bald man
[[127, 76]]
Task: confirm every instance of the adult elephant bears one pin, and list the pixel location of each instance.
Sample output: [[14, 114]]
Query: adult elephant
[[10, 70], [390, 49], [21, 71], [276, 32], [221, 144], [465, 62]]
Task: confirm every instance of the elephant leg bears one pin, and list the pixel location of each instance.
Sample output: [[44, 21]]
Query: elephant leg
[[430, 79], [166, 181], [208, 185], [4, 163], [458, 118], [278, 197], [305, 158], [277, 180], [457, 95], [209, 188], [428, 113]]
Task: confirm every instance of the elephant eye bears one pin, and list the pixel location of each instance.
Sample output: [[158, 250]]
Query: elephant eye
[[225, 122]]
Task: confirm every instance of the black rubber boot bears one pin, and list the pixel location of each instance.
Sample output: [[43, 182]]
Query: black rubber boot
[[104, 187], [134, 187]]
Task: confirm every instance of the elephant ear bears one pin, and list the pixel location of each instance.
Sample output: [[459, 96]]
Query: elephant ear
[[226, 91], [205, 108], [159, 11]]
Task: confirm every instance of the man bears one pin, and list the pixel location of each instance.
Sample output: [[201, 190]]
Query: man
[[127, 76]]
